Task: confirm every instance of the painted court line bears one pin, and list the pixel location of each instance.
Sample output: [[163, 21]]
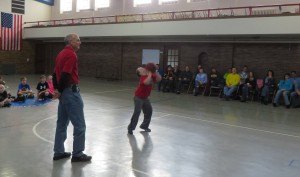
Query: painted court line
[[225, 124], [237, 126], [35, 132]]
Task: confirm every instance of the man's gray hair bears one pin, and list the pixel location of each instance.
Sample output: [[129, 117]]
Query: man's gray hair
[[69, 37]]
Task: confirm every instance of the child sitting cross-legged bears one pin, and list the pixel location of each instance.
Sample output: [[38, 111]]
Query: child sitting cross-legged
[[24, 90], [4, 98], [43, 89]]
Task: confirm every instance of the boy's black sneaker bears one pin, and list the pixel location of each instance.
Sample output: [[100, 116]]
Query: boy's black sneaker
[[146, 129], [82, 158], [62, 156]]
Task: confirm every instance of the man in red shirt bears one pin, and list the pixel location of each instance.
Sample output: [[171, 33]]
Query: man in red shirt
[[141, 101], [70, 108]]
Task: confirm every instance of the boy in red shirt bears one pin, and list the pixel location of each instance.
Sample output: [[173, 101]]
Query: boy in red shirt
[[141, 102]]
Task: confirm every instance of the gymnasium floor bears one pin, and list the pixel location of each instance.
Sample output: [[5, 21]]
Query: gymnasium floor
[[191, 137]]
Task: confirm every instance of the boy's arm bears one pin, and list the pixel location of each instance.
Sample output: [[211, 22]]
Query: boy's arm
[[148, 80]]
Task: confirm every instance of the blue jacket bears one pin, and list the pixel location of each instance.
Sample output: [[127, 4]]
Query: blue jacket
[[201, 77], [286, 85]]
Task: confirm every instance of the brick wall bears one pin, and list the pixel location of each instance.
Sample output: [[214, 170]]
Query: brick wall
[[19, 59], [119, 60]]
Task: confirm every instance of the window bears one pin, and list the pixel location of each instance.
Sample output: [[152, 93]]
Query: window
[[141, 2], [83, 5], [167, 2], [173, 58], [101, 4], [65, 5]]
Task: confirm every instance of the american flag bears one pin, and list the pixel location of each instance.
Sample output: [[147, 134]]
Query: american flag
[[11, 31]]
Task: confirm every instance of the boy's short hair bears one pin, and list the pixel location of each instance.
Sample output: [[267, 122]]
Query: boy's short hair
[[23, 78], [42, 76]]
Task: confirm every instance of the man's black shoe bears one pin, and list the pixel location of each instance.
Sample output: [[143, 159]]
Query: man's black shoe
[[130, 132], [274, 104], [62, 156], [82, 158]]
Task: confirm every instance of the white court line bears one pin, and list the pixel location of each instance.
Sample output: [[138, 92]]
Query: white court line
[[236, 126], [35, 132], [112, 91], [225, 124]]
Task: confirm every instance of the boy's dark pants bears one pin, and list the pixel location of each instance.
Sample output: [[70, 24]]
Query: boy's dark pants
[[141, 104]]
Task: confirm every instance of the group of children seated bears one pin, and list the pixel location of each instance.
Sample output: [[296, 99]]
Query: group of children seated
[[45, 90], [234, 85]]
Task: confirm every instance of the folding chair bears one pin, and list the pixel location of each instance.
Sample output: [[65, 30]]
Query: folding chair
[[219, 89]]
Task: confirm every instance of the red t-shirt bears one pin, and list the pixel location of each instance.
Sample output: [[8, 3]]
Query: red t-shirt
[[66, 61], [143, 91]]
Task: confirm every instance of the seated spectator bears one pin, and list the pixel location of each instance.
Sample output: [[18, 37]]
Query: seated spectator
[[50, 84], [293, 75], [226, 74], [4, 98], [168, 80], [197, 70], [161, 72], [177, 74], [232, 82], [250, 84], [284, 89], [24, 90], [295, 96], [214, 77], [268, 87], [184, 78], [200, 80], [244, 74], [43, 89]]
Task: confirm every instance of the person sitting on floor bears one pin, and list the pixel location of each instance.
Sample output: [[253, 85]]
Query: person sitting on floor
[[284, 89], [268, 87], [50, 84], [295, 96], [24, 90], [4, 98], [184, 78], [168, 80], [43, 89], [232, 82], [200, 81], [214, 77], [250, 84]]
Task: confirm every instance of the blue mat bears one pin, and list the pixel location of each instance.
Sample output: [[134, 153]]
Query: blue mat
[[30, 103]]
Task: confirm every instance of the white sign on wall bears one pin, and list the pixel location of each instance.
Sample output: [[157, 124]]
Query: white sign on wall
[[150, 55]]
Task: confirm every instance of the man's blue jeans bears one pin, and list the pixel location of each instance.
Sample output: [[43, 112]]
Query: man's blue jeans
[[229, 90], [285, 95], [70, 108]]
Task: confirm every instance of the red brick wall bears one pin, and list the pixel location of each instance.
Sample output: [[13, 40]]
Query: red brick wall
[[119, 60], [19, 58]]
